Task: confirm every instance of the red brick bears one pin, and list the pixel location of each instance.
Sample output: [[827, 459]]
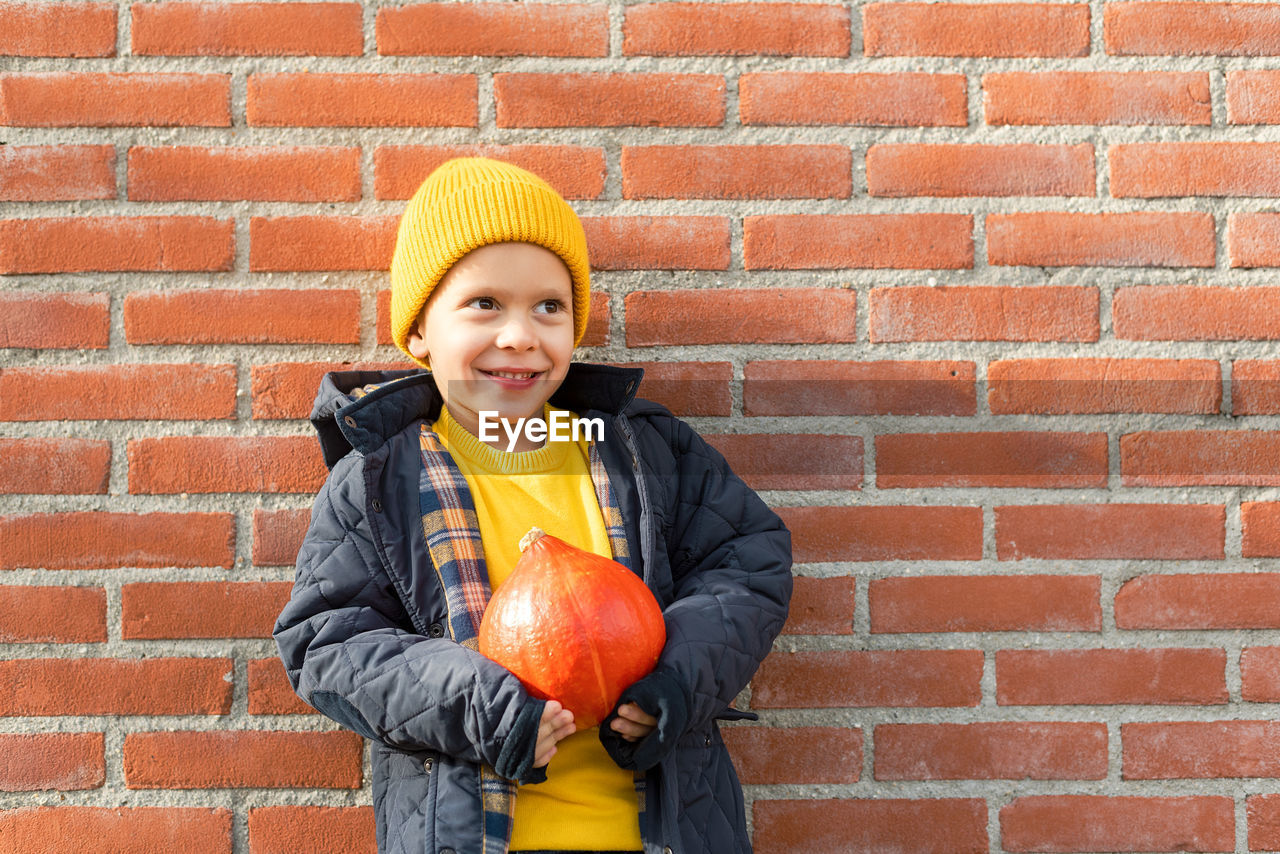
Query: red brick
[[242, 760], [576, 171], [73, 321], [986, 603], [1142, 239], [598, 320], [868, 678], [1220, 600], [1062, 386], [1200, 750], [1110, 823], [1038, 459], [1107, 677], [1007, 750], [105, 244], [735, 29], [980, 170], [278, 535], [528, 100], [1158, 169], [61, 761], [658, 243], [264, 173], [687, 388], [798, 461], [1255, 387], [53, 614], [1260, 674], [118, 392], [55, 466], [984, 313], [1262, 813], [1260, 521], [822, 606], [1196, 313], [884, 533], [1191, 29], [201, 609], [247, 29], [823, 387], [918, 825], [315, 244], [1096, 98], [187, 829], [242, 316], [115, 686], [791, 755], [205, 464], [1252, 239], [92, 540], [493, 29], [911, 241], [288, 389], [1253, 97], [57, 173], [741, 316], [362, 100], [57, 29], [905, 99], [736, 172], [115, 99], [975, 29], [1200, 457], [1111, 532], [316, 830], [270, 692]]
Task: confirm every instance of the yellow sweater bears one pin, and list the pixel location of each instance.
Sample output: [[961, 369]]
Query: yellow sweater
[[587, 802]]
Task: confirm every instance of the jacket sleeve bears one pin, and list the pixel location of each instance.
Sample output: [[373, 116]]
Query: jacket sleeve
[[731, 573], [349, 649]]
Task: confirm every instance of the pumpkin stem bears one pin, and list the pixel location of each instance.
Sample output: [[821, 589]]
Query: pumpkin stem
[[535, 534]]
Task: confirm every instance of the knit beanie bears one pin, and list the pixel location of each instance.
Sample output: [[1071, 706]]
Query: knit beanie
[[469, 202]]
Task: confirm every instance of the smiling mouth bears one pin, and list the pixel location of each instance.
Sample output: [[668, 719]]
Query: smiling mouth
[[513, 375]]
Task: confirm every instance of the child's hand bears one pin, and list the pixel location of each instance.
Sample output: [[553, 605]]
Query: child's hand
[[556, 724], [632, 723]]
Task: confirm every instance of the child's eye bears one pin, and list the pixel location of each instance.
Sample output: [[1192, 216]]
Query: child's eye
[[484, 303], [551, 306]]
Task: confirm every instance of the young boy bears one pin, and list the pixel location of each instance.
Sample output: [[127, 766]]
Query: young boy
[[431, 486]]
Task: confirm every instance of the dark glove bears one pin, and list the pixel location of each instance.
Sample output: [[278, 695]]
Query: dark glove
[[662, 694], [515, 761]]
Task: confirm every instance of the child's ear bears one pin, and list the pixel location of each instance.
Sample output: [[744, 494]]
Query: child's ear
[[418, 346]]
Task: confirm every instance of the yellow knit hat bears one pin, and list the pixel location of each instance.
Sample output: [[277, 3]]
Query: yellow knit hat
[[469, 202]]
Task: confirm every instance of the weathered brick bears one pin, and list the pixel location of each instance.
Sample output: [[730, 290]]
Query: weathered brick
[[114, 99], [1096, 98], [60, 761], [905, 99], [72, 321], [909, 241], [1001, 750], [1252, 239], [1200, 750], [264, 173], [912, 169], [1196, 313], [986, 603], [106, 244], [735, 29], [576, 171], [248, 316], [1117, 823], [821, 606], [288, 389], [975, 29], [741, 316], [201, 609], [1191, 29], [736, 172], [270, 692], [868, 678], [1253, 97], [822, 387], [321, 243], [797, 461], [1260, 524], [984, 313], [362, 100], [1082, 385], [55, 466], [1221, 600], [1186, 457], [247, 29], [884, 533], [620, 99], [1078, 677], [1111, 532], [115, 686], [92, 540], [493, 29], [206, 464], [839, 826], [53, 614], [1260, 674], [191, 830], [1262, 813], [278, 535], [316, 830], [56, 173], [790, 755], [242, 759], [687, 388], [658, 243], [57, 29], [1141, 239], [118, 392], [1151, 170], [1038, 459]]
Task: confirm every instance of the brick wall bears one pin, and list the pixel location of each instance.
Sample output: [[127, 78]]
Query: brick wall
[[994, 282]]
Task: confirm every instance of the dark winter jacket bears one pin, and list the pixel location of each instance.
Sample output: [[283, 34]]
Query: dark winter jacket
[[363, 637]]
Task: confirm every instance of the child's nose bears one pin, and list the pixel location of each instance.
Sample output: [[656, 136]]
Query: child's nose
[[517, 333]]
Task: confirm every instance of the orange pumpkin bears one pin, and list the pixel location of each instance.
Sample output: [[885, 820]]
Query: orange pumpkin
[[573, 626]]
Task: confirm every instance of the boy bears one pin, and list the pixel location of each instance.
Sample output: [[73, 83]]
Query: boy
[[420, 518]]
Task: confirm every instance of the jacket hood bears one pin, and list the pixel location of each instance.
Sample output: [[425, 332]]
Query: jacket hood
[[362, 409]]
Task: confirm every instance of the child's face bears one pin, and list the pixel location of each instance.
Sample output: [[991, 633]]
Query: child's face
[[498, 331]]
